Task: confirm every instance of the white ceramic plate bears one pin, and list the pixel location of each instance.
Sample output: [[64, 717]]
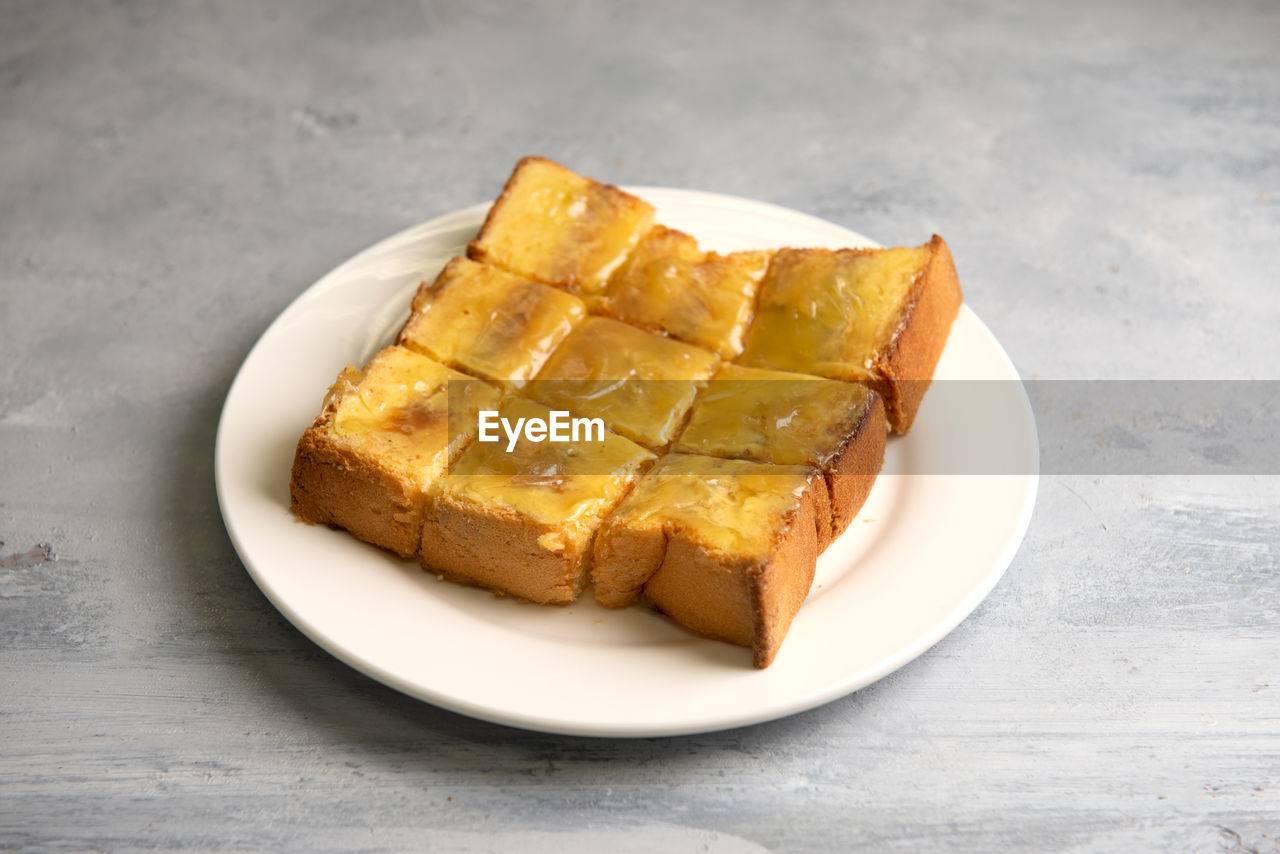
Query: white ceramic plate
[[924, 552]]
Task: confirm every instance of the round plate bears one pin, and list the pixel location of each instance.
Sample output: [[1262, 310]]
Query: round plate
[[923, 553]]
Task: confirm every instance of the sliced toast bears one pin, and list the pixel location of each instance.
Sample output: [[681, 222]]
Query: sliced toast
[[488, 322], [793, 419], [383, 437], [641, 384], [670, 285], [555, 226], [727, 548], [521, 522], [876, 316]]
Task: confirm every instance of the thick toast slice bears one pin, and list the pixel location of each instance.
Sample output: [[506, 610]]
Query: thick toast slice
[[521, 522], [641, 384], [555, 226], [876, 316], [793, 419], [670, 285], [727, 548], [383, 437], [488, 322]]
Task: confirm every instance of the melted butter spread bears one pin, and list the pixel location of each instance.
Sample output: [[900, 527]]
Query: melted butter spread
[[397, 410], [832, 313], [701, 298], [489, 322], [567, 485], [774, 417], [734, 507], [556, 226], [640, 384]]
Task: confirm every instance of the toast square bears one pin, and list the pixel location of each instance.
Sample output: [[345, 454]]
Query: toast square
[[488, 322], [877, 316], [384, 435], [555, 226], [793, 419], [670, 285], [641, 384], [522, 523], [727, 548]]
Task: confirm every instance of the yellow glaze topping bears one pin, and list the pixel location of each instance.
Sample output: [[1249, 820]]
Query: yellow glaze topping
[[832, 313], [489, 322], [640, 384], [731, 506], [553, 225], [774, 417], [669, 284], [398, 410], [567, 485]]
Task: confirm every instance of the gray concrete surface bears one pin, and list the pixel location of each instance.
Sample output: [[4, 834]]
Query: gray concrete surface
[[174, 173]]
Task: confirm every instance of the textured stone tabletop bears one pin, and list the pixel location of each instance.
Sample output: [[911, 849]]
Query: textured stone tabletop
[[174, 174]]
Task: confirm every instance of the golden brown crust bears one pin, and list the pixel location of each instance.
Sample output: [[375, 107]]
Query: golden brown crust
[[506, 553], [782, 585], [852, 472], [749, 604], [907, 367], [333, 486], [705, 593], [629, 557]]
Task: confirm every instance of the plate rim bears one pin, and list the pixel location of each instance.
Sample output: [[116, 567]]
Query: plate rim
[[776, 709]]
